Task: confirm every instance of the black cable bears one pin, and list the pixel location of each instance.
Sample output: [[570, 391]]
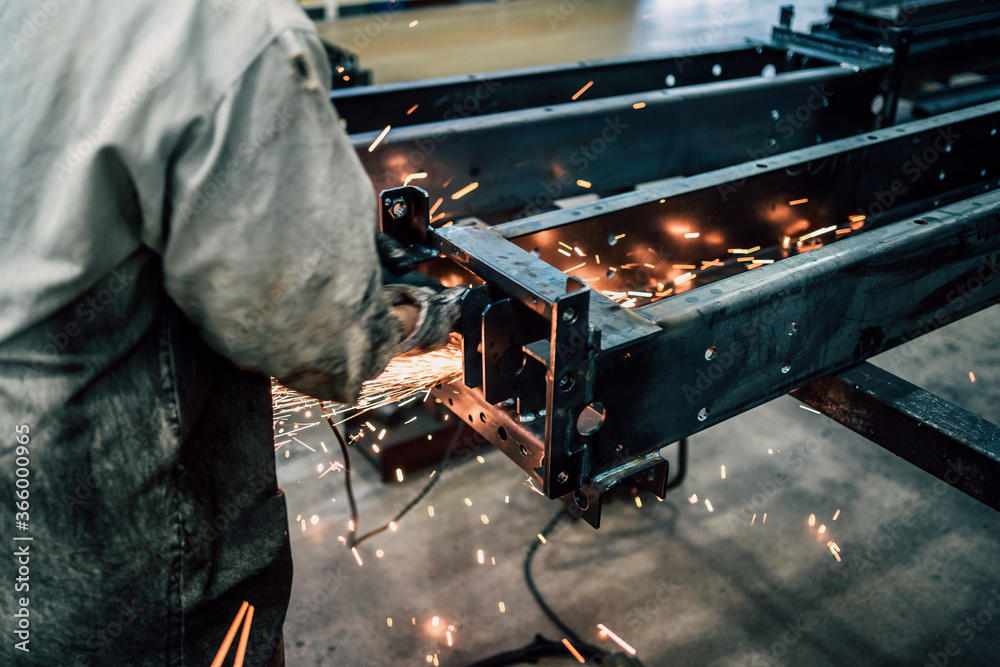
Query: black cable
[[347, 469], [543, 605], [353, 541], [531, 654]]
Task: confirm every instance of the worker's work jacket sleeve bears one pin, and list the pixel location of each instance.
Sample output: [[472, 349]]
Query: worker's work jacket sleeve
[[269, 238]]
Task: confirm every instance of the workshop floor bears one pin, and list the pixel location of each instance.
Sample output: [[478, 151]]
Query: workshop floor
[[683, 584]]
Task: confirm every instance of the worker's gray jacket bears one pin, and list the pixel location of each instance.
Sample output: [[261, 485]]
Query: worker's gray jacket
[[178, 207]]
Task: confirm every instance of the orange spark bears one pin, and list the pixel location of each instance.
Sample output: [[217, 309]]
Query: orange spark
[[582, 90]]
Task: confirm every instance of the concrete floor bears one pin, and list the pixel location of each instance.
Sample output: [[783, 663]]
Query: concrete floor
[[682, 584]]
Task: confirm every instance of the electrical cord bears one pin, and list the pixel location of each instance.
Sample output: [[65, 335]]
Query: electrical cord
[[542, 604], [352, 540], [542, 647]]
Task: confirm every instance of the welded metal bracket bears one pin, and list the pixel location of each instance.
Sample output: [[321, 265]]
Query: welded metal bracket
[[405, 216]]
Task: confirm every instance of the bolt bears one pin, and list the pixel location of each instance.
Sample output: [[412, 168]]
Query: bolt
[[398, 210]]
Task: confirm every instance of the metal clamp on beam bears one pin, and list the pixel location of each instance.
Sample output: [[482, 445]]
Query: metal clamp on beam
[[405, 216]]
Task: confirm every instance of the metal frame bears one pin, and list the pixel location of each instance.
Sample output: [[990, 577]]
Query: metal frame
[[941, 438], [542, 348], [528, 144]]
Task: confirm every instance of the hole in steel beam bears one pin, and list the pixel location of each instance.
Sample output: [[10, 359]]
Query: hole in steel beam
[[591, 419], [703, 414], [511, 362], [920, 222], [716, 70], [502, 432], [581, 499], [562, 477], [792, 328], [523, 450], [769, 71], [671, 80], [567, 381], [710, 353], [482, 417], [786, 366]]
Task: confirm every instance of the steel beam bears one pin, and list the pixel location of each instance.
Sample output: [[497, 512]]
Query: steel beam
[[937, 436], [451, 98], [738, 338], [523, 160]]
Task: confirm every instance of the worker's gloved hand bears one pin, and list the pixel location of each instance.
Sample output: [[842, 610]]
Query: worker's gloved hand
[[393, 255], [438, 315]]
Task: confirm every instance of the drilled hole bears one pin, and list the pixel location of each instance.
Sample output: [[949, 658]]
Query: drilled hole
[[703, 414], [523, 450], [792, 328], [511, 362], [786, 366], [591, 419], [671, 81], [878, 103], [710, 353], [482, 417], [716, 70], [502, 432], [581, 499], [566, 382], [562, 478]]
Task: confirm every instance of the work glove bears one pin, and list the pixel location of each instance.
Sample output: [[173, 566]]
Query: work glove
[[393, 255], [439, 315]]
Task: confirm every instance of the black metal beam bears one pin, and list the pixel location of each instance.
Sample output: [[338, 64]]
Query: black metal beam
[[939, 437], [523, 160], [451, 98]]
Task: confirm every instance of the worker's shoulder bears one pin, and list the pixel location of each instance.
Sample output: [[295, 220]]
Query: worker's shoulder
[[223, 38]]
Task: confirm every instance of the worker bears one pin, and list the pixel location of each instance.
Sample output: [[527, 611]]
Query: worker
[[181, 217]]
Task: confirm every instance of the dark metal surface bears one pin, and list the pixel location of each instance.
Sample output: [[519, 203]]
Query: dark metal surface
[[769, 330], [524, 160], [452, 98], [941, 438], [858, 244], [946, 37]]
